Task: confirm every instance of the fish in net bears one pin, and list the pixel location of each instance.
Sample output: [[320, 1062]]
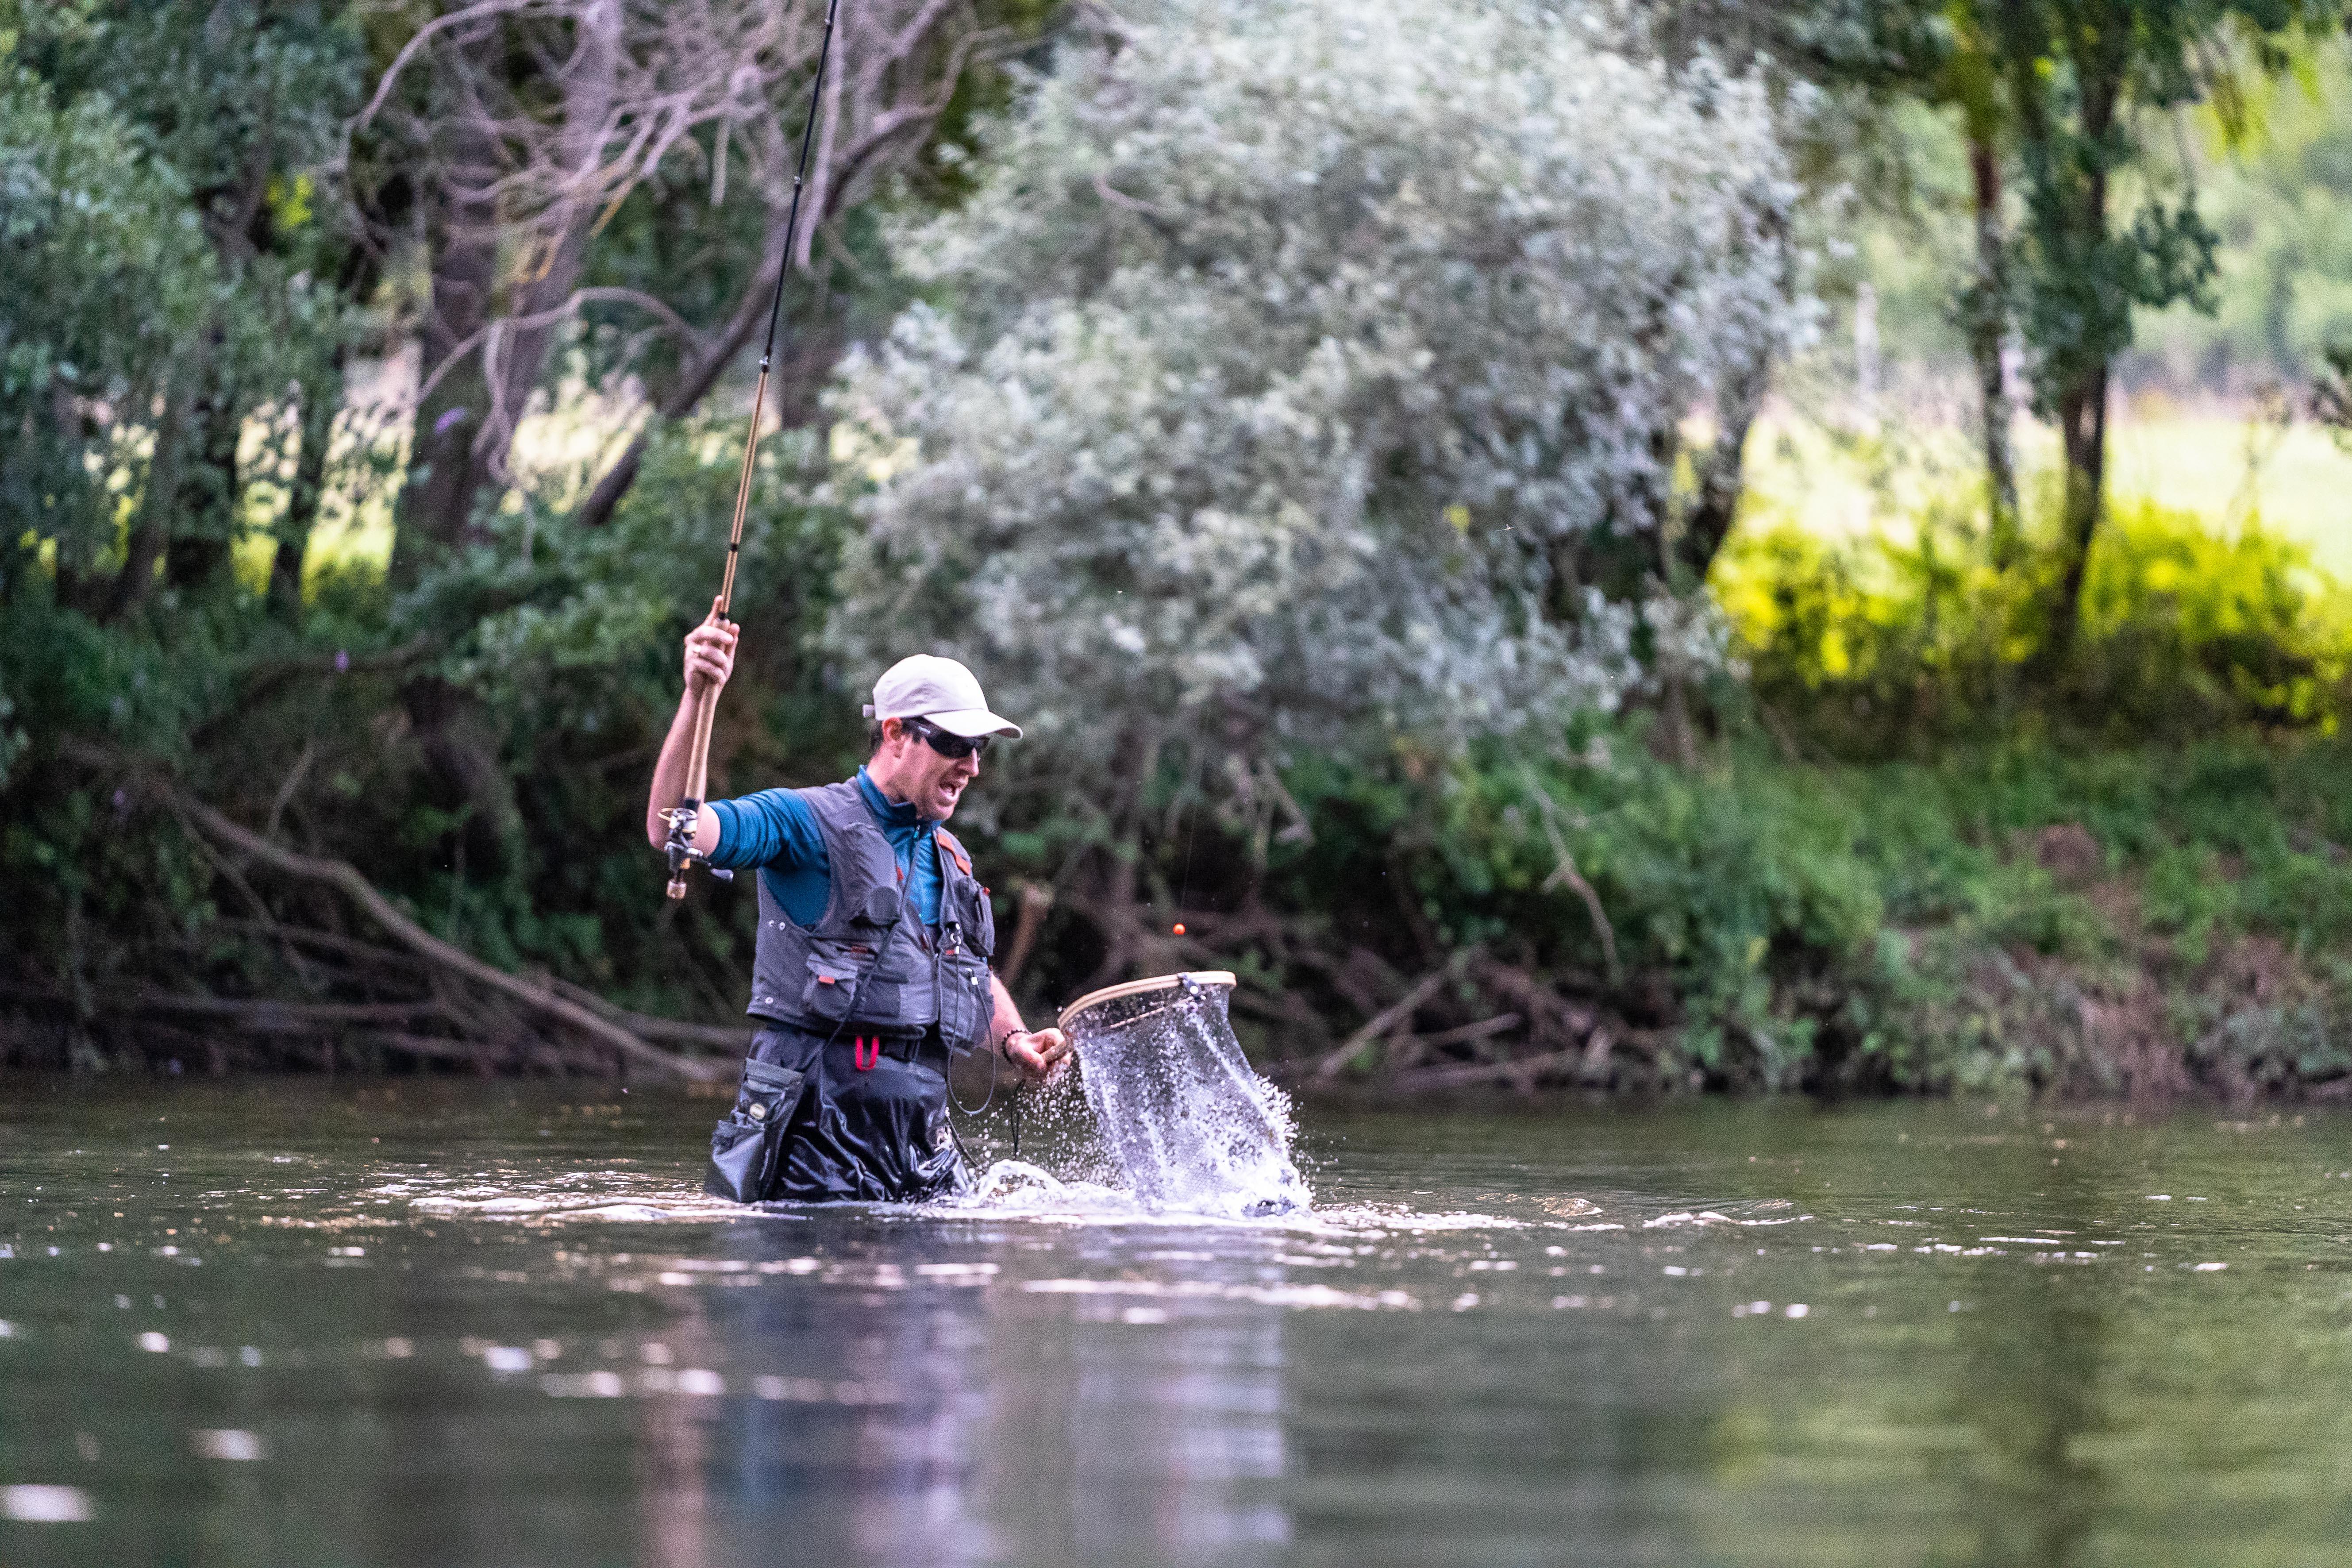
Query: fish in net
[[1178, 1112]]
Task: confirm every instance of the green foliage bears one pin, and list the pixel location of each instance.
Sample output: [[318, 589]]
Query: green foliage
[[1881, 645], [1918, 851], [162, 237], [566, 659], [103, 271], [1884, 925]]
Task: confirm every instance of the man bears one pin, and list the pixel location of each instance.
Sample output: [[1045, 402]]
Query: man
[[871, 970]]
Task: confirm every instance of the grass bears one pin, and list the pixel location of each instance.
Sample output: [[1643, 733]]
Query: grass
[[2220, 465]]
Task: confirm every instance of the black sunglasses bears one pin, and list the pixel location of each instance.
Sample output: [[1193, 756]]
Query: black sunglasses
[[945, 745]]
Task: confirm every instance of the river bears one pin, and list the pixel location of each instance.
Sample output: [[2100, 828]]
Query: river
[[454, 1323]]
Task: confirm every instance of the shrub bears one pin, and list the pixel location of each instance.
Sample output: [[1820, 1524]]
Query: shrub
[[1890, 646]]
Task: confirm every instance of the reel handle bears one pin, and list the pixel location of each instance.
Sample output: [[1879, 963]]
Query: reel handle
[[679, 847]]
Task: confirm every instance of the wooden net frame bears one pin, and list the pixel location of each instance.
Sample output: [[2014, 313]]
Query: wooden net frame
[[1132, 991]]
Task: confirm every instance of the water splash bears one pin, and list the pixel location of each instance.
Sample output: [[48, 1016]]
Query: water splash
[[1180, 1122]]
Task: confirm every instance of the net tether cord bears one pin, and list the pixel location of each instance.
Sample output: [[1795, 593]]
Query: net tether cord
[[682, 816]]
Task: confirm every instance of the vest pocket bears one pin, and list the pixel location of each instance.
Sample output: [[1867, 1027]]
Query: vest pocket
[[832, 985], [747, 1146], [977, 917], [965, 1004]]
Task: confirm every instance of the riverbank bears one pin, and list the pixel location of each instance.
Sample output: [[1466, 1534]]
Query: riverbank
[[2027, 918], [1881, 839]]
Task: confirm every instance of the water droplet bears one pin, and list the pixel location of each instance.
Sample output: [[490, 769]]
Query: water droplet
[[45, 1505], [227, 1443]]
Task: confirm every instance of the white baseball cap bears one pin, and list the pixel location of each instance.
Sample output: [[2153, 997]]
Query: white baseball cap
[[941, 691]]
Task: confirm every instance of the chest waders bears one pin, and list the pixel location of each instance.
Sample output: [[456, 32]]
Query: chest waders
[[844, 1094]]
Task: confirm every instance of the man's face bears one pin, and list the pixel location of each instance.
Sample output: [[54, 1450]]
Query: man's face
[[933, 783]]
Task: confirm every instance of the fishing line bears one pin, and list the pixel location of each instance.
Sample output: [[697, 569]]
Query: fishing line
[[1191, 824]]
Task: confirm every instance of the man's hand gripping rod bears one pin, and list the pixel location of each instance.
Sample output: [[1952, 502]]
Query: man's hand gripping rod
[[681, 817]]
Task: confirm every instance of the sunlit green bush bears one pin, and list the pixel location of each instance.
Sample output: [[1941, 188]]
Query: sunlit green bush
[[1885, 645]]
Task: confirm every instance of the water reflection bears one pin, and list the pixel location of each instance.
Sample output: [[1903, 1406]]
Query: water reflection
[[898, 1417], [2033, 1344], [1572, 1339], [2033, 1368], [1172, 1459]]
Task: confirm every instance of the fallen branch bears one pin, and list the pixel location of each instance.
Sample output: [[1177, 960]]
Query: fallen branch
[[433, 1048], [1412, 1050], [343, 875], [1550, 1014], [1522, 1072], [1381, 1022], [265, 1015], [1467, 1032], [1565, 871], [1593, 1062], [646, 1026]]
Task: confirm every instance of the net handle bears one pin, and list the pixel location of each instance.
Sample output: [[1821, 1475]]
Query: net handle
[[1142, 988]]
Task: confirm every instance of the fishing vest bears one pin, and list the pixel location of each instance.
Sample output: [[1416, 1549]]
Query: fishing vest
[[863, 969]]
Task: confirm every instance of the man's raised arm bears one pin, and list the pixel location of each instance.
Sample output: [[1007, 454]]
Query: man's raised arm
[[709, 660]]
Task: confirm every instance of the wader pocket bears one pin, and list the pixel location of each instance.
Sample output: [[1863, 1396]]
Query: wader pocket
[[747, 1147]]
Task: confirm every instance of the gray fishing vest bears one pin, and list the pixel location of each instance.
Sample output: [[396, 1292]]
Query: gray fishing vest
[[862, 969]]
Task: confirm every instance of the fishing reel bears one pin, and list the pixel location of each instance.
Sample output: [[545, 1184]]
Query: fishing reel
[[679, 847]]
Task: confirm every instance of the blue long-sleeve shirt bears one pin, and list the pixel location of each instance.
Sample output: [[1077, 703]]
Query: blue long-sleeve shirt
[[775, 832]]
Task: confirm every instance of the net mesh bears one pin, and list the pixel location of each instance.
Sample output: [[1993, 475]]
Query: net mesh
[[1180, 1116]]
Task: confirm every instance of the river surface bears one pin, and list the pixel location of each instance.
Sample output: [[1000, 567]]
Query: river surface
[[450, 1323]]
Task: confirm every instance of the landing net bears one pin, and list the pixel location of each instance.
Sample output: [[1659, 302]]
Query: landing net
[[1177, 1109]]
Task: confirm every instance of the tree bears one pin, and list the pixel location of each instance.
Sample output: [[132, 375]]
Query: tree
[[199, 182], [529, 129], [2077, 74], [1301, 366], [100, 271]]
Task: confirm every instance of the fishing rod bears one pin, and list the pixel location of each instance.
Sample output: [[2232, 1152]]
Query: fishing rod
[[681, 817]]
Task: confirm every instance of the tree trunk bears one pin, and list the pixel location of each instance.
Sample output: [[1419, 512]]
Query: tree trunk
[[792, 386], [444, 472], [2083, 428], [322, 398], [465, 430], [153, 527], [1721, 480], [515, 357], [1987, 335], [206, 522]]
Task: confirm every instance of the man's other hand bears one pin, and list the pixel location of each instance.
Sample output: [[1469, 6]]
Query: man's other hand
[[710, 653], [1036, 1054]]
